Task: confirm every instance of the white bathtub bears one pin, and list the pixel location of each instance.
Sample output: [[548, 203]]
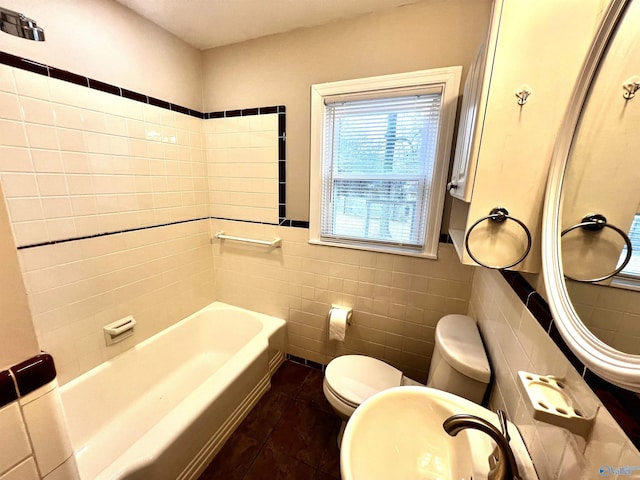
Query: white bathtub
[[164, 408]]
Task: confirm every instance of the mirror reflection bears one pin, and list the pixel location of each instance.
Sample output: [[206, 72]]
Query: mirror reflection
[[603, 177]]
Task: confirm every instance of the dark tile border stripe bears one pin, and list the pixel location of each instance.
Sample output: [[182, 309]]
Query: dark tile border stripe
[[304, 361], [282, 165], [25, 377], [445, 238], [34, 373], [65, 75], [284, 223], [105, 87], [8, 390], [243, 221], [622, 404], [294, 223], [106, 234], [69, 77], [23, 64]]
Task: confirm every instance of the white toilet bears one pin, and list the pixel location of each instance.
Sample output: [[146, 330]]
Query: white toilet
[[459, 365]]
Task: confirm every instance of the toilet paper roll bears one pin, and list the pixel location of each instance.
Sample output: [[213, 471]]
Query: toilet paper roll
[[338, 321]]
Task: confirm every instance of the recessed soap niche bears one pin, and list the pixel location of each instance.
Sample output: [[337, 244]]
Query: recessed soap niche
[[553, 403]]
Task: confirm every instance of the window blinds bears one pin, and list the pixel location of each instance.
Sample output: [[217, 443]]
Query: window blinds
[[379, 156], [633, 267]]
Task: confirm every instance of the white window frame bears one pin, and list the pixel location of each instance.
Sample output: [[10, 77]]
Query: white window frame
[[627, 281], [448, 79]]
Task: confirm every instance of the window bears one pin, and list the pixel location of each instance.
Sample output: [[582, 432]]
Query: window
[[380, 152], [629, 277]]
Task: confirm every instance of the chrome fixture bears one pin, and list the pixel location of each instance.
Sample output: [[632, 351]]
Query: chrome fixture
[[594, 222], [502, 461], [497, 216], [17, 24]]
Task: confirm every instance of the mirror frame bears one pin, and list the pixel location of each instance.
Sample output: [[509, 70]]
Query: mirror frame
[[619, 368]]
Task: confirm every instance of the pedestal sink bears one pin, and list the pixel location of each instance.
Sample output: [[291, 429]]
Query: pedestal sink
[[398, 434]]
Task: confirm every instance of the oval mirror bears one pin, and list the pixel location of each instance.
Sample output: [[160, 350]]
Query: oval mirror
[[591, 268]]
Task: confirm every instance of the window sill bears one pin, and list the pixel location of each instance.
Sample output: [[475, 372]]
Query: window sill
[[625, 283], [377, 249]]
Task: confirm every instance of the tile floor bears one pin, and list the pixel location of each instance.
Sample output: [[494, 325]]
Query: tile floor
[[289, 435]]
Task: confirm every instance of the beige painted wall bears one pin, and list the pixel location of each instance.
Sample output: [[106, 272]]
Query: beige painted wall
[[15, 318], [102, 39], [279, 69]]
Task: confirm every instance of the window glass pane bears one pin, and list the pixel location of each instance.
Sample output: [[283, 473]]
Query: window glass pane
[[633, 267], [381, 211], [379, 159]]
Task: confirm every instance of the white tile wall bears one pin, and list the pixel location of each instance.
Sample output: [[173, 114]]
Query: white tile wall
[[158, 275], [242, 160], [82, 162], [516, 341], [24, 471], [47, 427], [397, 300], [34, 441], [78, 162], [13, 437], [67, 471]]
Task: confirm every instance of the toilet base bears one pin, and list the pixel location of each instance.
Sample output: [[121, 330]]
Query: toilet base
[[343, 425]]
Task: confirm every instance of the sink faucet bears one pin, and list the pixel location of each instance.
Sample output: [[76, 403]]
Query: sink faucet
[[503, 466]]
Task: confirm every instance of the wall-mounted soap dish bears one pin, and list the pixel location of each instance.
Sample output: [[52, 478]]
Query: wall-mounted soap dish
[[119, 330], [553, 403]]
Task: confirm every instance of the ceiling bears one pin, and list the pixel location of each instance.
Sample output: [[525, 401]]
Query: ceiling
[[212, 23]]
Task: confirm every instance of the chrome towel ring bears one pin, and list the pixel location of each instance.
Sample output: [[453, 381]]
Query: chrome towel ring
[[499, 215], [594, 223]]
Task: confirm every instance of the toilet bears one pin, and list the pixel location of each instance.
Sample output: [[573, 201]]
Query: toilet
[[459, 365]]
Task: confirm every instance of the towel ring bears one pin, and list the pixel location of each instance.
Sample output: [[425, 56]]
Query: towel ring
[[594, 223], [498, 215]]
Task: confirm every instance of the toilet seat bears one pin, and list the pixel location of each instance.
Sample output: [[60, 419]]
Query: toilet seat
[[355, 378], [339, 397]]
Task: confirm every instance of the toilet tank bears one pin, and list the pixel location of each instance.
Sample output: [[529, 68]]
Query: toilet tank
[[459, 364]]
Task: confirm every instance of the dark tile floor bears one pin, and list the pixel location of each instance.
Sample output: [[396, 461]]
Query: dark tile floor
[[289, 435]]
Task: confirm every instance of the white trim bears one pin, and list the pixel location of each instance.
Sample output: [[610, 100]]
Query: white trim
[[625, 283], [622, 369], [448, 79]]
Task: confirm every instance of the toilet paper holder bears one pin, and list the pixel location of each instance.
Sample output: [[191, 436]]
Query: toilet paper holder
[[339, 307]]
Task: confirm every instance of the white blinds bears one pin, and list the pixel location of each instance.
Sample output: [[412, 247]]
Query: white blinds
[[633, 267], [379, 158]]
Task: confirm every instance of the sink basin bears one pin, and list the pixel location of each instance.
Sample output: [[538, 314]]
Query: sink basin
[[398, 433]]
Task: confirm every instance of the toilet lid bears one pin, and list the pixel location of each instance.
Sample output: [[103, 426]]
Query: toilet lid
[[357, 377], [462, 348]]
